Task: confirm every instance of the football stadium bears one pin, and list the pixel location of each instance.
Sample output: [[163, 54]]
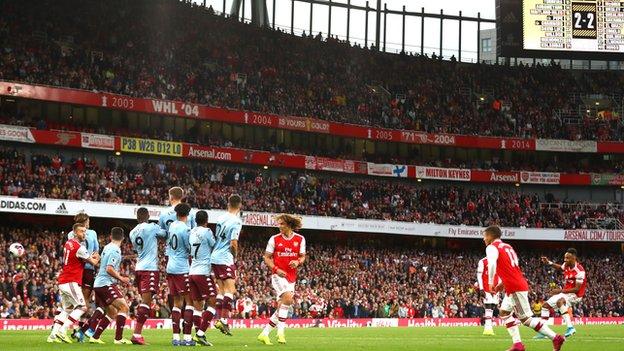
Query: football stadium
[[312, 174]]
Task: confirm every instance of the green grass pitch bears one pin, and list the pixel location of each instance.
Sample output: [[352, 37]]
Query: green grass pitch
[[601, 338]]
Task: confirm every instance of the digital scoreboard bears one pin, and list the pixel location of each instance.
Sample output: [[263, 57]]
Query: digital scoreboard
[[575, 29]]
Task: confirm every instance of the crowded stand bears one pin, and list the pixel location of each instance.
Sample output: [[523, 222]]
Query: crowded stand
[[311, 193], [139, 55]]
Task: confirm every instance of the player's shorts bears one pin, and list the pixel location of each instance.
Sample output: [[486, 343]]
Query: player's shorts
[[178, 284], [202, 287], [147, 281], [223, 272], [105, 295], [517, 302], [88, 278], [71, 295], [281, 285], [571, 299], [491, 298]]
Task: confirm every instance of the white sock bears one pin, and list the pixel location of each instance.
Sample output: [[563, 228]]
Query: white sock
[[176, 337], [187, 337], [59, 320], [512, 328], [272, 324], [564, 310], [545, 313], [73, 316], [488, 318], [540, 326], [282, 315]]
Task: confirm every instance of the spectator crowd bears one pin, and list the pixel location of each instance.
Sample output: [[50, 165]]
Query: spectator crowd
[[176, 50], [310, 193], [359, 277]]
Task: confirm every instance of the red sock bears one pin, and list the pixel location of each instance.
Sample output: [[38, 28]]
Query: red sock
[[197, 319], [188, 321], [104, 322], [206, 319], [120, 322], [93, 321], [142, 314], [175, 319]]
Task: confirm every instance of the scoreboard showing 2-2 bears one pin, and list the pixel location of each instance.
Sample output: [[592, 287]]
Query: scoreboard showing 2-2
[[573, 25]]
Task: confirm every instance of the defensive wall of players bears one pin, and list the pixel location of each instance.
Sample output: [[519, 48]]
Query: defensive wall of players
[[261, 219]]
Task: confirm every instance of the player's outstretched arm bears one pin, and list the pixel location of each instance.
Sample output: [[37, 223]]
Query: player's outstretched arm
[[546, 261]]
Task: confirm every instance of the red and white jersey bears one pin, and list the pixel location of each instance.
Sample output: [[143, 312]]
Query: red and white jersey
[[507, 266], [73, 264], [285, 250], [482, 276], [573, 276]]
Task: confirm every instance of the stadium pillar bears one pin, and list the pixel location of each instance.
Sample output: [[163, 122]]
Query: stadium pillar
[[422, 31], [441, 30], [292, 16], [460, 37], [366, 27], [273, 22], [479, 37], [329, 19], [348, 18], [403, 33], [378, 27], [223, 8], [385, 22], [259, 13], [311, 15]]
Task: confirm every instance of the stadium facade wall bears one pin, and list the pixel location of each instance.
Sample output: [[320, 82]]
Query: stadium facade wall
[[306, 124]]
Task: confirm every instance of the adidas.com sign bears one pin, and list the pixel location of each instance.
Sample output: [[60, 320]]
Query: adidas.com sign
[[62, 209]]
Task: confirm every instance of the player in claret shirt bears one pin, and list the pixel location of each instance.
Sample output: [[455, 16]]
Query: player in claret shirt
[[284, 253], [503, 261], [571, 294], [69, 281]]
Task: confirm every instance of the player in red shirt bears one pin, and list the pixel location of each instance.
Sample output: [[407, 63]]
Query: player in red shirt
[[69, 282], [571, 294], [503, 261], [284, 254], [491, 299]]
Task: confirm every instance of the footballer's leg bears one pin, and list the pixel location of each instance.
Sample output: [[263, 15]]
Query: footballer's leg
[[286, 301], [545, 314], [565, 310], [511, 323], [122, 308], [523, 309]]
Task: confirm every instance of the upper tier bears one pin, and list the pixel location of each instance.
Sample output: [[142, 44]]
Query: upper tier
[[171, 50]]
